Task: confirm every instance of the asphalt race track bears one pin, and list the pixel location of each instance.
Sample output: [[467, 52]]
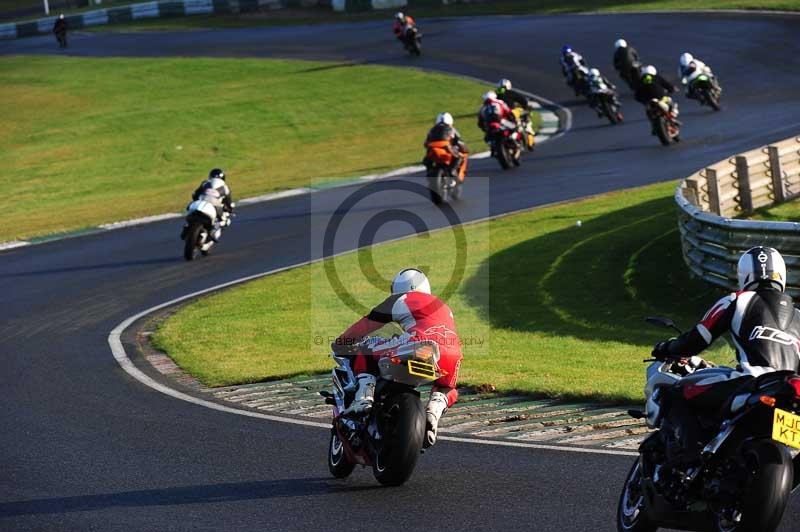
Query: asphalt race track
[[85, 447]]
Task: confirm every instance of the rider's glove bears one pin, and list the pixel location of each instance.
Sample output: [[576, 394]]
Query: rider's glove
[[661, 350]]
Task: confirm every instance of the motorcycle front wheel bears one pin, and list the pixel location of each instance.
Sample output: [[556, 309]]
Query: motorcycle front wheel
[[190, 241], [662, 132], [338, 464], [631, 511], [436, 186], [766, 496], [401, 442]]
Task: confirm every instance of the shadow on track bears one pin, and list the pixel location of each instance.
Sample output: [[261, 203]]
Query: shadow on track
[[213, 493], [108, 265]]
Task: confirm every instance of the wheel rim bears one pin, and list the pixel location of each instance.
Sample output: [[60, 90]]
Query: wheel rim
[[632, 498], [727, 525], [337, 450]]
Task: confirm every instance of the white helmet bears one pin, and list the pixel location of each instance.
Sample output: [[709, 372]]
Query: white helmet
[[410, 280], [621, 43], [445, 118], [760, 264], [649, 70], [594, 73], [491, 95], [504, 84], [399, 15], [686, 58]]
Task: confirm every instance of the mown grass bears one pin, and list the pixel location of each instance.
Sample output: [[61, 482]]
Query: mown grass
[[320, 15], [784, 212], [90, 141], [549, 307]]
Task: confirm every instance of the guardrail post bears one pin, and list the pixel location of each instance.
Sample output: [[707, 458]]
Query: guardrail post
[[778, 185], [713, 191], [691, 193], [745, 193]]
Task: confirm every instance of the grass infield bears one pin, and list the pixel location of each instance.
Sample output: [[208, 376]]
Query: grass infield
[[546, 306], [90, 141]]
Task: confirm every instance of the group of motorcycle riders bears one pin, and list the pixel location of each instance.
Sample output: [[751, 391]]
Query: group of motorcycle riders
[[761, 303]]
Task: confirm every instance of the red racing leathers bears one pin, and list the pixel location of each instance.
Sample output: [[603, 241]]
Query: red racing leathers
[[400, 28], [493, 113], [422, 317]]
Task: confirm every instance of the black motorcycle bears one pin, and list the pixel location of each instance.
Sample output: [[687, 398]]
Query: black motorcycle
[[390, 438], [605, 102], [707, 91], [413, 41], [726, 468]]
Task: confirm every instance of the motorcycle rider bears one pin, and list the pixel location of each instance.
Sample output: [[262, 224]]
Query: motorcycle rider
[[422, 316], [493, 112], [764, 325], [60, 31], [599, 84], [402, 24], [511, 97], [690, 69], [217, 192], [626, 61], [444, 135], [571, 62], [652, 86]]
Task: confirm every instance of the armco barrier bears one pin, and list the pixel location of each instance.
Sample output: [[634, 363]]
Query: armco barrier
[[712, 241]]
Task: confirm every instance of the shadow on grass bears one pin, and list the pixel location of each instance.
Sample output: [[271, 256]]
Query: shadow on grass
[[596, 282]]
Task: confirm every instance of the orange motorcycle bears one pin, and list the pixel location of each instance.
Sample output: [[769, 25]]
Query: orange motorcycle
[[445, 173]]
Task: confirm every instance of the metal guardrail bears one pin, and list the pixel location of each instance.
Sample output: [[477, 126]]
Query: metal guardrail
[[711, 240]]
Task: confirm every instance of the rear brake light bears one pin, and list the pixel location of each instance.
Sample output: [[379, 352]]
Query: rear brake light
[[794, 382]]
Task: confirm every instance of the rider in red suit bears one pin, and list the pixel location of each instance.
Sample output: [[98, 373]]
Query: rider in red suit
[[493, 112], [423, 317], [402, 23]]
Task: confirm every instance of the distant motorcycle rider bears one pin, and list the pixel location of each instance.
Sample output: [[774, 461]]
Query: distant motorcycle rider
[[653, 86], [402, 24], [511, 97], [444, 135], [60, 31], [689, 69], [763, 323], [495, 112], [599, 84], [216, 191], [626, 61], [422, 316], [571, 62]]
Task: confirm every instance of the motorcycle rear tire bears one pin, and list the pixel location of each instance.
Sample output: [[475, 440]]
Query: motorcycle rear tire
[[190, 247], [402, 439], [503, 157], [768, 491], [338, 464], [713, 100], [435, 186]]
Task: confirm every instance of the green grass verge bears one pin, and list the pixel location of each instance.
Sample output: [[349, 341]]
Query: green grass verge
[[101, 140], [784, 212], [556, 309], [321, 15]]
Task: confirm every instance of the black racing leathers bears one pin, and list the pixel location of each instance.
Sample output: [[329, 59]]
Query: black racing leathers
[[513, 98], [764, 326], [625, 58], [656, 88], [222, 188]]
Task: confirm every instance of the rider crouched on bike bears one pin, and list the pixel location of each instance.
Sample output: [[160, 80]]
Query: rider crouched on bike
[[571, 61], [402, 24], [652, 86], [217, 192], [598, 84], [493, 113], [512, 97], [690, 69], [763, 323], [443, 136], [422, 316]]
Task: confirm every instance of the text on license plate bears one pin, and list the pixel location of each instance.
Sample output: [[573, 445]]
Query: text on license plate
[[786, 428]]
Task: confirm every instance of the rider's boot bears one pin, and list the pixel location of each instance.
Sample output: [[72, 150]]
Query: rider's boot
[[365, 395], [437, 406]]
